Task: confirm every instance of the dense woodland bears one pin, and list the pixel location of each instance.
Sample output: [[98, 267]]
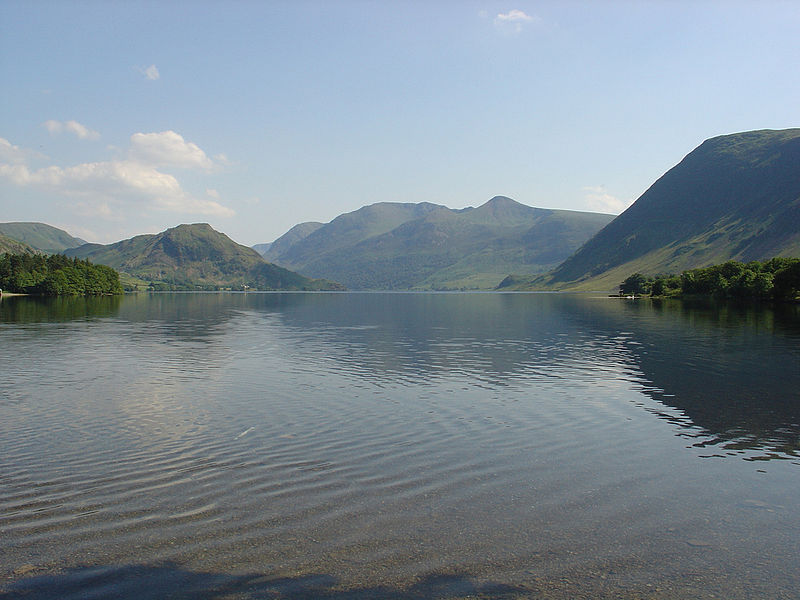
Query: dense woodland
[[56, 275], [775, 279]]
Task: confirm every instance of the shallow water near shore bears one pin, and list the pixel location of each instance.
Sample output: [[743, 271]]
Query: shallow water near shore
[[384, 445]]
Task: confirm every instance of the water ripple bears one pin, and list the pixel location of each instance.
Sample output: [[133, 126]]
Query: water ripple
[[289, 437]]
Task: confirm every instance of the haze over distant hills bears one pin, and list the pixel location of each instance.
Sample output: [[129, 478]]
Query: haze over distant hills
[[735, 197], [40, 236], [429, 246], [195, 255]]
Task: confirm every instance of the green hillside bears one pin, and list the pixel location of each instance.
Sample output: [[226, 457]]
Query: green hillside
[[735, 197], [429, 246], [42, 237], [195, 256]]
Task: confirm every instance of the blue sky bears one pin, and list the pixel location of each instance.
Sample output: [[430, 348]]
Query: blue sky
[[121, 117]]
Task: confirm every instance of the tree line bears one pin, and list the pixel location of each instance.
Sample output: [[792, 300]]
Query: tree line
[[56, 275], [775, 279]]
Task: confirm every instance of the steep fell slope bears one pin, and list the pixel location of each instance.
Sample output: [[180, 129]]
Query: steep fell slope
[[734, 197]]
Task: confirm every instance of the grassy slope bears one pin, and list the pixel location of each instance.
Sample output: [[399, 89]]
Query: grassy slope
[[43, 237], [734, 197]]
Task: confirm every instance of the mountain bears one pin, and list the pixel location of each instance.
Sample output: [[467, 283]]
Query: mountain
[[345, 231], [430, 246], [291, 237], [735, 197], [262, 248], [195, 255], [13, 246], [42, 237]]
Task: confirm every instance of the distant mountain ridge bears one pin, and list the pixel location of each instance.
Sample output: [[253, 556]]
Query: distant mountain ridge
[[302, 244], [735, 197], [195, 255], [40, 236], [429, 246]]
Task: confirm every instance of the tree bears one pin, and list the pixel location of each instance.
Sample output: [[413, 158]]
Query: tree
[[635, 284], [56, 275], [786, 282], [665, 285]]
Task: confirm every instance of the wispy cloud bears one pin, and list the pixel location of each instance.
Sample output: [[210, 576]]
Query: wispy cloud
[[598, 199], [79, 130], [150, 73], [514, 20]]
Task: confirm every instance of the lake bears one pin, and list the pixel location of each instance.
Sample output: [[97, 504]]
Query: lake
[[379, 445]]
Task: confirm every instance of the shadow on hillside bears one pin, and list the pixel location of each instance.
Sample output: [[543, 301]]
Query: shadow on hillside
[[171, 581]]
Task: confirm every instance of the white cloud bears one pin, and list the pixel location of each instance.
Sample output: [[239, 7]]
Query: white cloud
[[150, 73], [81, 131], [168, 149], [598, 199], [513, 20], [14, 155], [513, 16], [107, 189], [53, 126]]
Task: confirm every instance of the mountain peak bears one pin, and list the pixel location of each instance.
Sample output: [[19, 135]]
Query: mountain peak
[[502, 209], [502, 201], [191, 228]]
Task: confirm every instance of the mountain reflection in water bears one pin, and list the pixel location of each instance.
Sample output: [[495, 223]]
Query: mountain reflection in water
[[731, 371]]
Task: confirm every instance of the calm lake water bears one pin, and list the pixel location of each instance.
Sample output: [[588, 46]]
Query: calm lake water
[[397, 446]]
